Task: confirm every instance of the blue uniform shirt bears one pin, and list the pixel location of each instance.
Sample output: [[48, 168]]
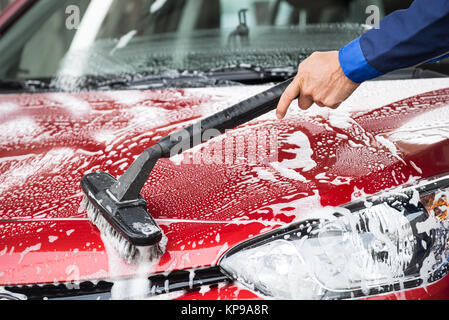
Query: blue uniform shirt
[[405, 38]]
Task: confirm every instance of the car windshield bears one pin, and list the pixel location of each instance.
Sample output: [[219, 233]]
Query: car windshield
[[77, 43]]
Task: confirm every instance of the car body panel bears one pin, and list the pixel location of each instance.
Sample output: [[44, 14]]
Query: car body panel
[[204, 205], [434, 291]]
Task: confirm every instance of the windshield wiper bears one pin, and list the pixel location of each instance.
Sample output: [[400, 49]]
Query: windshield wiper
[[231, 75], [246, 73], [223, 76], [172, 79], [18, 85]]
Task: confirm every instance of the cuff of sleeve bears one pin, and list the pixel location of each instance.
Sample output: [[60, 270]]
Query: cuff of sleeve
[[354, 65]]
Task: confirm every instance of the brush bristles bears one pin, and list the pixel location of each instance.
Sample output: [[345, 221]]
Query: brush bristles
[[125, 249]]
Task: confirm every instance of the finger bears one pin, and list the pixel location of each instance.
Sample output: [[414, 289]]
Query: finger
[[333, 102], [304, 102], [319, 104], [290, 94]]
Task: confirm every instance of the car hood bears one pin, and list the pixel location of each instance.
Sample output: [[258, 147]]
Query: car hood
[[248, 181]]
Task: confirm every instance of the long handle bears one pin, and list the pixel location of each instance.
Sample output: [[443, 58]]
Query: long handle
[[229, 118], [128, 186]]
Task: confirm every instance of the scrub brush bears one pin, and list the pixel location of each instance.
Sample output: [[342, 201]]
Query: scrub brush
[[116, 207]]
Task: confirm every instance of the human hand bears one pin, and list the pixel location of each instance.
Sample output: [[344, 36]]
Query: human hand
[[320, 80]]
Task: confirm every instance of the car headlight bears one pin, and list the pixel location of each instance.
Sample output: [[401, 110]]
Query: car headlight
[[388, 242]]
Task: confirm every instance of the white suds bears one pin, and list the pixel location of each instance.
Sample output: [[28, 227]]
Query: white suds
[[302, 160]]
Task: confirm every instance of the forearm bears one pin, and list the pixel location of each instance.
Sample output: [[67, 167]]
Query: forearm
[[405, 38]]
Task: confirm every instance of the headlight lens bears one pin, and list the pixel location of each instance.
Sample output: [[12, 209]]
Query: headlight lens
[[381, 244]]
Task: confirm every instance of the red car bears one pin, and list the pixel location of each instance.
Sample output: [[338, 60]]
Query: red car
[[325, 204]]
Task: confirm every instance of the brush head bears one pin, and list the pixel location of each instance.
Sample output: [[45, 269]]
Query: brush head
[[128, 224]]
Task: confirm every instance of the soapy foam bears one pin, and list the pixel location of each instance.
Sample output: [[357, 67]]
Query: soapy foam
[[303, 158]]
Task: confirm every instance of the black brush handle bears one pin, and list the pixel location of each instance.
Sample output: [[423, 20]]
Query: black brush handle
[[229, 118], [128, 186]]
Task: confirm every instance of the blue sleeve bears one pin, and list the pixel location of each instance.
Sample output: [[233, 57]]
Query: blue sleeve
[[404, 38]]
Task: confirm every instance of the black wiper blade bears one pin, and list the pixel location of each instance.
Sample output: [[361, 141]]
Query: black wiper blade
[[171, 79], [223, 76], [19, 85], [250, 73], [142, 81], [67, 83]]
